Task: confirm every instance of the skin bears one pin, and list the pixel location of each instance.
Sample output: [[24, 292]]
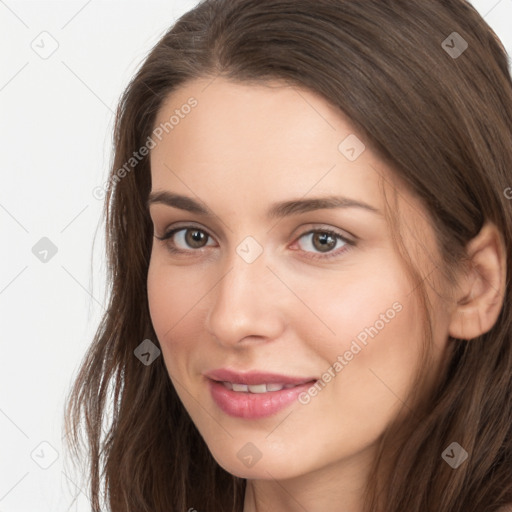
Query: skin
[[241, 149]]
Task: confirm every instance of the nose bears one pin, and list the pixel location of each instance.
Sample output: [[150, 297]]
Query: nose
[[246, 304]]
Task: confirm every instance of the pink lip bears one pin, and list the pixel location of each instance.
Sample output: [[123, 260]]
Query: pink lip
[[254, 377], [254, 405]]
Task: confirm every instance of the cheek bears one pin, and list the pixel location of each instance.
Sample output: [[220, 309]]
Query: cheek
[[360, 305], [374, 354], [173, 291], [172, 299]]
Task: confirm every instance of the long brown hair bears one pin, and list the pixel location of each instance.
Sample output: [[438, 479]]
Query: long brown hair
[[443, 122]]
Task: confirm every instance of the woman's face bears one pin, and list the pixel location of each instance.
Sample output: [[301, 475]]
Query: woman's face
[[288, 327]]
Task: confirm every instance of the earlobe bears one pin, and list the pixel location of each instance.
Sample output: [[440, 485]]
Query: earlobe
[[482, 287]]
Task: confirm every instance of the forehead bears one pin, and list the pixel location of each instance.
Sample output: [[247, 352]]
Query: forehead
[[269, 119], [258, 137]]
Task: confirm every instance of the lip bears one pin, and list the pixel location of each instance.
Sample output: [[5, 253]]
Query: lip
[[254, 405], [255, 377]]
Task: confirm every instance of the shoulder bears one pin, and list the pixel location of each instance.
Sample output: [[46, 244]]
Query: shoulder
[[505, 508]]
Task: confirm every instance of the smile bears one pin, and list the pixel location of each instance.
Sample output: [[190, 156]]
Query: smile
[[255, 394], [256, 388]]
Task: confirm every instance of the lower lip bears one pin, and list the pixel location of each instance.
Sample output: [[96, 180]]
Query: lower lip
[[254, 405]]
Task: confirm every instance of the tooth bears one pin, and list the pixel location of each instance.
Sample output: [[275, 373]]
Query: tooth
[[258, 388], [274, 387]]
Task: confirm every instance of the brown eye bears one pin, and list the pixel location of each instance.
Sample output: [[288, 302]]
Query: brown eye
[[195, 238], [321, 241], [324, 242], [185, 239]]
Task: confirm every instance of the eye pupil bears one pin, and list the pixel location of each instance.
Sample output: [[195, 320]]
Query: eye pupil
[[195, 237], [327, 241]]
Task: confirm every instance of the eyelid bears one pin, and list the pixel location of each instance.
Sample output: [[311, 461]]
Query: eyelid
[[313, 227], [184, 225], [343, 233]]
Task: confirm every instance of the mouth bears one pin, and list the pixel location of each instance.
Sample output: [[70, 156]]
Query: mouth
[[257, 388], [254, 395]]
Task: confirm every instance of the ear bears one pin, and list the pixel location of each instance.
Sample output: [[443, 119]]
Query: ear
[[481, 289]]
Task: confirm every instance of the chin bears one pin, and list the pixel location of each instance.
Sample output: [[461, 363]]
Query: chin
[[251, 463]]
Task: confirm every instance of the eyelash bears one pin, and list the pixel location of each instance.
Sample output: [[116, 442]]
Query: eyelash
[[349, 244]]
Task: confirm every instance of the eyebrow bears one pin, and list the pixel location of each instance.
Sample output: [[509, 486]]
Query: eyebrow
[[276, 210]]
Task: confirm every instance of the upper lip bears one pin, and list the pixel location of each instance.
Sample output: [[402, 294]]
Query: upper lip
[[254, 377]]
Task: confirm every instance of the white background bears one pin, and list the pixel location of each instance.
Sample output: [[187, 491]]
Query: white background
[[56, 126]]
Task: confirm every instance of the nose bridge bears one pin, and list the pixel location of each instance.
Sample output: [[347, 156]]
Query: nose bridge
[[245, 300]]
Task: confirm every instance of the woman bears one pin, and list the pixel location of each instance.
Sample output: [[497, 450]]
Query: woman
[[308, 236]]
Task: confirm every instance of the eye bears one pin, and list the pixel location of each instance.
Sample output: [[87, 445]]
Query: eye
[[324, 241], [319, 243], [184, 239]]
